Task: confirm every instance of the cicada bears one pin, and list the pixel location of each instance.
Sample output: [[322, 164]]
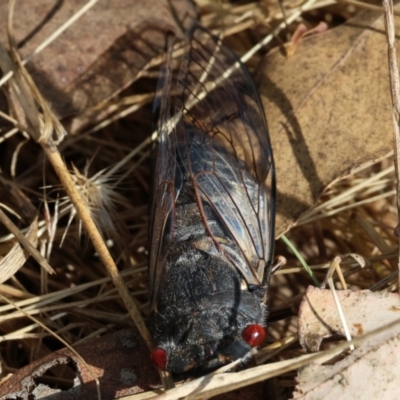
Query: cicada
[[213, 211]]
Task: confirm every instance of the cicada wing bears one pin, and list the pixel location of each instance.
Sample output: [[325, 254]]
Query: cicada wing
[[167, 180], [227, 149]]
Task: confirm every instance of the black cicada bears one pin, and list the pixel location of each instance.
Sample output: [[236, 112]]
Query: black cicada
[[212, 222]]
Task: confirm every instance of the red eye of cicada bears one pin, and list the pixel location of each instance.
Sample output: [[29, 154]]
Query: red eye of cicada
[[159, 358], [253, 335]]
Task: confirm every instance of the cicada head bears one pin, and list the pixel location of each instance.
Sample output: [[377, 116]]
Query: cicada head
[[218, 330]]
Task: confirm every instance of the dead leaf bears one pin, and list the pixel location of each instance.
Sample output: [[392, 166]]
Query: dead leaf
[[329, 110], [371, 374], [121, 361], [354, 377], [100, 54], [363, 310]]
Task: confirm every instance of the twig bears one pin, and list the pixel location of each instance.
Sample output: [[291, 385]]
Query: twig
[[94, 235], [335, 265]]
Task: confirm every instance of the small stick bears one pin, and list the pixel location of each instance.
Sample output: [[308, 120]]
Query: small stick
[[336, 266], [395, 91]]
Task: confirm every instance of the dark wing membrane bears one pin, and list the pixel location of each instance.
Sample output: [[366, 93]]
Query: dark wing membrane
[[226, 148], [167, 180]]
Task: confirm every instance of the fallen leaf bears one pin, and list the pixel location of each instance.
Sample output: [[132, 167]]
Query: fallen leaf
[[355, 376], [369, 374], [100, 54], [329, 110], [121, 362], [363, 310]]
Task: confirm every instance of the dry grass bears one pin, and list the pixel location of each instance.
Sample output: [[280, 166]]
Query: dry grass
[[80, 301]]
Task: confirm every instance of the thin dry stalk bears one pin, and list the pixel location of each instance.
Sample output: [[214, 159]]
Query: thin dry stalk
[[96, 238]]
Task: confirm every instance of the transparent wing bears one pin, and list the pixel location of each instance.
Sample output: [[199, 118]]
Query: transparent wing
[[224, 145], [219, 134], [167, 180]]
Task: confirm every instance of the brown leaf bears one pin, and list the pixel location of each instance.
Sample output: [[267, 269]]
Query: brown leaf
[[100, 54], [329, 110], [121, 362], [364, 312], [370, 372]]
